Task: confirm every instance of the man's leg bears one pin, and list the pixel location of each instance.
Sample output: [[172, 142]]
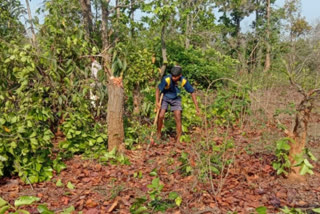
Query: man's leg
[[177, 117], [160, 122]]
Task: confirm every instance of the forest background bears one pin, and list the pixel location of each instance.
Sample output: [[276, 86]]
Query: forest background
[[258, 89]]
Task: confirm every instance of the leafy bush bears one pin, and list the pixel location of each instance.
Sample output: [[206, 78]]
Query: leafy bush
[[201, 66], [83, 135], [40, 87], [156, 202], [229, 105], [282, 163], [26, 145], [216, 159]]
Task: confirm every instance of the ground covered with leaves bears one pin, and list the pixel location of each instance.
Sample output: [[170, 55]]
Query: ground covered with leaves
[[164, 177]]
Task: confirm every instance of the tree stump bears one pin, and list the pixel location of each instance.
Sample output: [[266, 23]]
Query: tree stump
[[115, 115]]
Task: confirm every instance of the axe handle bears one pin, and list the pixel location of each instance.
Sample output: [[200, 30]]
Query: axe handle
[[158, 110]]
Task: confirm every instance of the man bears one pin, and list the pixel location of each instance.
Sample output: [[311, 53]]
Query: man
[[170, 90]]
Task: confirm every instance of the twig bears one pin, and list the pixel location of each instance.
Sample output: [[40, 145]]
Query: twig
[[155, 122], [30, 184], [212, 210]]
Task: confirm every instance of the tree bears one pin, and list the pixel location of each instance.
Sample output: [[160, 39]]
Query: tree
[[31, 23], [197, 23], [267, 63], [10, 25], [162, 12], [238, 10], [87, 16], [299, 63], [266, 38], [114, 62]]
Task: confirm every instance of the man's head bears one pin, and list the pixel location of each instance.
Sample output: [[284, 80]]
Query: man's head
[[176, 73]]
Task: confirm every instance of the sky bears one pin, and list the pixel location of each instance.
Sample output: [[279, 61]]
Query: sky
[[309, 9]]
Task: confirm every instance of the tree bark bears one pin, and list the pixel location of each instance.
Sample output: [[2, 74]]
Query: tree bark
[[299, 133], [163, 51], [87, 16], [31, 23], [163, 46], [132, 9], [188, 25], [187, 41], [115, 89], [268, 59], [104, 28], [115, 116]]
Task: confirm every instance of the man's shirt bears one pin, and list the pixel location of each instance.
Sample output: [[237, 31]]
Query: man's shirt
[[170, 88]]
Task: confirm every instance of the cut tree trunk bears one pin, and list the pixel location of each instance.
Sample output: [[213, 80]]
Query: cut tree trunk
[[115, 115], [299, 134]]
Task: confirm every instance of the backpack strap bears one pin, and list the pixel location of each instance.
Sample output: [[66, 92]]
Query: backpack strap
[[183, 82], [168, 80]]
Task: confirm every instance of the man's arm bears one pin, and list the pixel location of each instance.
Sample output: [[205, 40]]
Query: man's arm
[[194, 99]]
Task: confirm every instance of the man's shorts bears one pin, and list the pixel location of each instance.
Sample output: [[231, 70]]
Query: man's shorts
[[174, 103]]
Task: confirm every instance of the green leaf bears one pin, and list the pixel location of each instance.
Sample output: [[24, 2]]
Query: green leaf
[[99, 140], [68, 210], [261, 210], [2, 202], [155, 182], [3, 158], [140, 210], [59, 183], [43, 209], [25, 200], [34, 141], [316, 210], [3, 209], [178, 201], [283, 145], [70, 185], [308, 164], [153, 173], [312, 156], [173, 195], [304, 170], [59, 166], [22, 212]]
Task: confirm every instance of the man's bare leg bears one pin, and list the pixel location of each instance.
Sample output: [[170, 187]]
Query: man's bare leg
[[160, 122], [177, 117]]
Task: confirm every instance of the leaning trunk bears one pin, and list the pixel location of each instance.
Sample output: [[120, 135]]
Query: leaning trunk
[[115, 116]]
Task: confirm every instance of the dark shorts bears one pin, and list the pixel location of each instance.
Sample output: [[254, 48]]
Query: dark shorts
[[174, 103]]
